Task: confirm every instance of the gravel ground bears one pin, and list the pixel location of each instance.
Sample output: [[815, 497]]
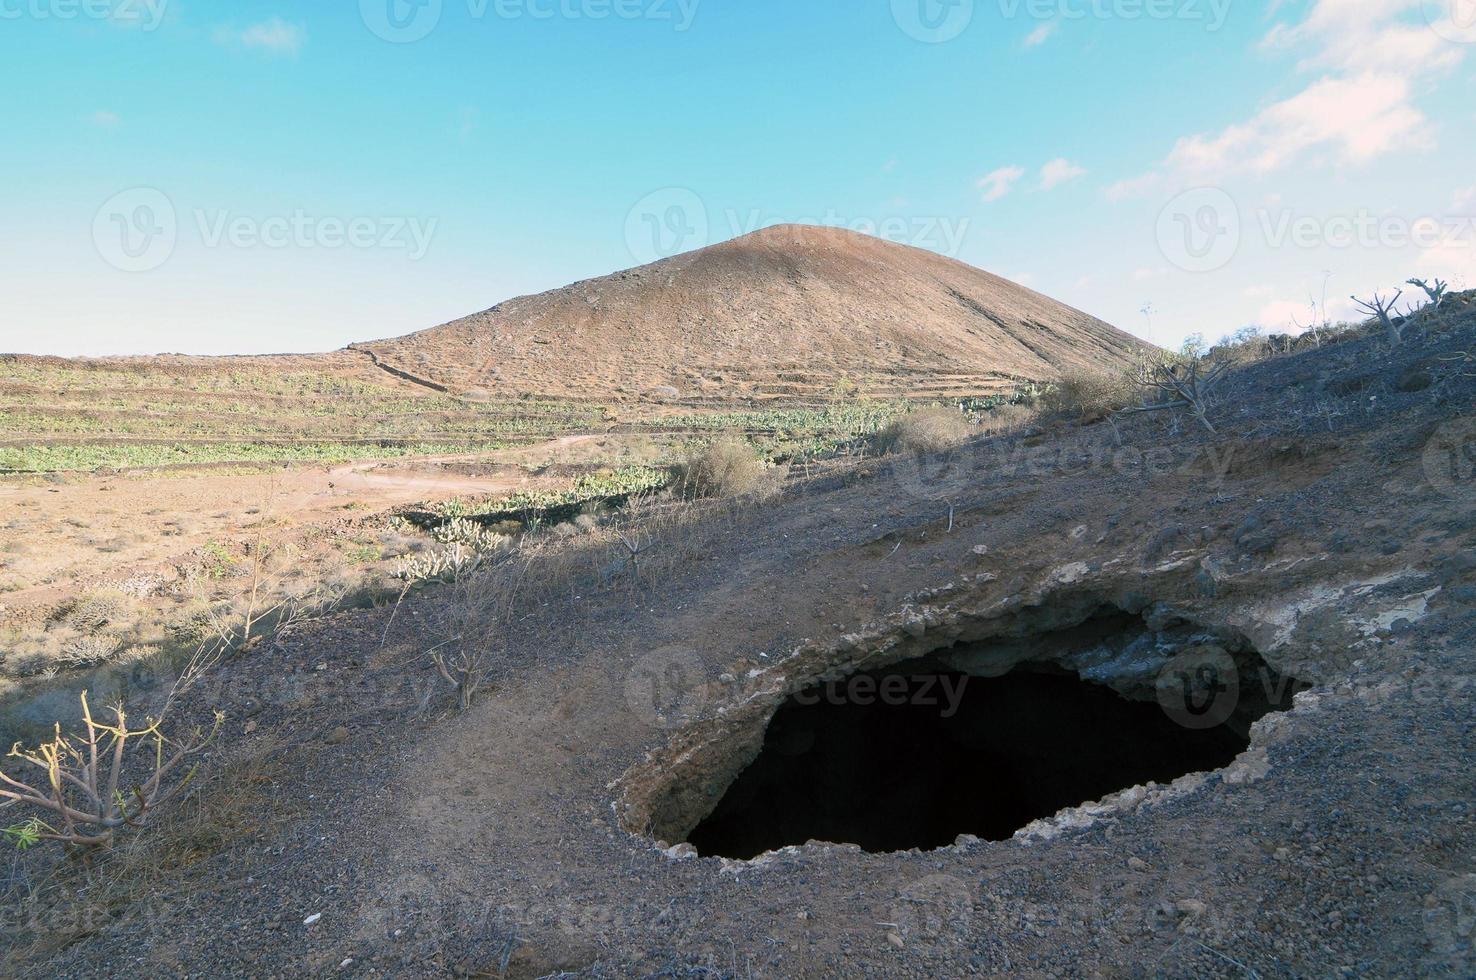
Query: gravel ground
[[399, 839]]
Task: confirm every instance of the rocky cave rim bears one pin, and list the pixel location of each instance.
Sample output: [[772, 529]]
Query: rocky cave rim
[[679, 786]]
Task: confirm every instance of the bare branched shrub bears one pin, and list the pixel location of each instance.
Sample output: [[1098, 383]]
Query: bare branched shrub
[[1435, 290], [924, 431], [464, 627], [107, 777], [726, 467], [1381, 309], [1181, 386], [1087, 395]]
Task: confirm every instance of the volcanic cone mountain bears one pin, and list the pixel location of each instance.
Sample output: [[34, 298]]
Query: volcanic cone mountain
[[782, 314]]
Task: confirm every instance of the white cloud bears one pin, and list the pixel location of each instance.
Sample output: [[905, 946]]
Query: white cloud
[[1295, 316], [1453, 259], [275, 36], [1356, 119], [996, 184], [1370, 54], [1284, 315], [1464, 200], [1365, 35], [1040, 35], [1057, 172], [1140, 186], [103, 119], [1149, 272]]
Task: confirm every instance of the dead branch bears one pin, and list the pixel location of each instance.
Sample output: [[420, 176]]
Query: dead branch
[[1436, 292], [1381, 309], [84, 775], [1180, 386]]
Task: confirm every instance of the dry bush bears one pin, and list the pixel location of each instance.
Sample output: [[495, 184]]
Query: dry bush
[[1005, 419], [229, 803], [725, 467], [106, 777], [1087, 396], [91, 612], [923, 431], [91, 650], [464, 627]]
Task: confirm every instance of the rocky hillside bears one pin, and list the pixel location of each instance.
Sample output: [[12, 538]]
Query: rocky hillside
[[780, 314]]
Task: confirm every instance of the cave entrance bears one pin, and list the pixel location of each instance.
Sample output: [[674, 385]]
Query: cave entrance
[[915, 755]]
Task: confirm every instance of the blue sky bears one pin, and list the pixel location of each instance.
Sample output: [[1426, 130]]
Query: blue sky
[[212, 177]]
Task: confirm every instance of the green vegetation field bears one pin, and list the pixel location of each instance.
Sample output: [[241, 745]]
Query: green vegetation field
[[59, 415]]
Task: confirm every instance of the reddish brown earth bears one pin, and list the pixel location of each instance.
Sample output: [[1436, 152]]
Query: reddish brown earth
[[780, 314]]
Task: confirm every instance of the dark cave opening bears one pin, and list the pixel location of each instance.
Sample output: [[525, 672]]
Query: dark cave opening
[[917, 754]]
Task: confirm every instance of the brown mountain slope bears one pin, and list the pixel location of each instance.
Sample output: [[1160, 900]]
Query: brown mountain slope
[[780, 314]]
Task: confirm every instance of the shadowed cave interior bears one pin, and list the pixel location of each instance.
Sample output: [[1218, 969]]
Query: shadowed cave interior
[[915, 755]]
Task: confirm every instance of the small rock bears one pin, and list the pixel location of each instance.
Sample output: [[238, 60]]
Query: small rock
[[338, 736], [895, 939], [1137, 864], [981, 550], [312, 918], [1190, 906], [725, 678], [681, 852]]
